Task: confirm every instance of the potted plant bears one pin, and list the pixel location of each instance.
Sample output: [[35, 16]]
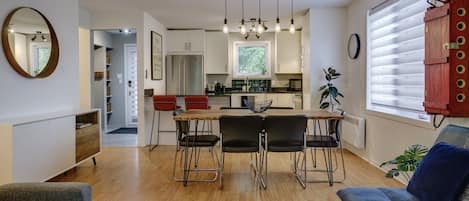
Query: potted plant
[[329, 93], [406, 163]]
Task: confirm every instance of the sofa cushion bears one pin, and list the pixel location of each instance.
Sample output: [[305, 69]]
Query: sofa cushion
[[465, 195], [442, 174], [375, 194], [49, 191]]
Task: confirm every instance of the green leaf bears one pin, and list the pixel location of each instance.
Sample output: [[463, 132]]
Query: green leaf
[[333, 91], [324, 105], [340, 94], [324, 95], [322, 87], [335, 98], [407, 162]]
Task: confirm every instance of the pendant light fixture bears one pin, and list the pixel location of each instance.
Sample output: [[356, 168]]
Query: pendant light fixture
[[243, 26], [225, 25], [292, 25], [277, 25], [260, 26]]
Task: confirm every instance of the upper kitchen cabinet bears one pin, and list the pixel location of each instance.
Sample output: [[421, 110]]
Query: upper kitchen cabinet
[[216, 53], [288, 53], [186, 41]]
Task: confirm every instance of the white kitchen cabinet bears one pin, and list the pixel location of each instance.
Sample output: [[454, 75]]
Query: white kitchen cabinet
[[216, 53], [186, 41], [288, 53], [284, 100]]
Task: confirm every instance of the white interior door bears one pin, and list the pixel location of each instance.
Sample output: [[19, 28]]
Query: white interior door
[[131, 115]]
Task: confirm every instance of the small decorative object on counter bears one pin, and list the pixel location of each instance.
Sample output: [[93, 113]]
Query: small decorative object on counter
[[259, 107]]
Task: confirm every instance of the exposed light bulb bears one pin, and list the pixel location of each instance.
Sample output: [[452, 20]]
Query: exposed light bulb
[[292, 27], [260, 29], [225, 26], [243, 29], [126, 31], [277, 27], [11, 30]]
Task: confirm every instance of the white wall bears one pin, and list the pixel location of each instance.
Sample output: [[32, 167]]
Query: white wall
[[159, 86], [23, 97], [85, 58], [327, 47], [386, 136], [102, 38], [151, 24]]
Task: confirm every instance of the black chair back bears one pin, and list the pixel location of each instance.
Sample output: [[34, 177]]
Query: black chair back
[[240, 133], [285, 131], [182, 127]]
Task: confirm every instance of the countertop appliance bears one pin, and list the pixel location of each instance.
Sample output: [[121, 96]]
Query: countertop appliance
[[184, 75], [295, 85]]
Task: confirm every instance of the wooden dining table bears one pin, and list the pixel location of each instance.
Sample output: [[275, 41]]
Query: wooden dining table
[[215, 114]]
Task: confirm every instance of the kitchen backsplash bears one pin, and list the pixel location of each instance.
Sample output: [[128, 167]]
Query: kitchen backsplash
[[252, 85]]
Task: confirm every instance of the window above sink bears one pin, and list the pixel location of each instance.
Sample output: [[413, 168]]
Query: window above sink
[[252, 59]]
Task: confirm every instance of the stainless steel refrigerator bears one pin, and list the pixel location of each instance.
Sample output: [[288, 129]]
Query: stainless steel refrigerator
[[184, 75]]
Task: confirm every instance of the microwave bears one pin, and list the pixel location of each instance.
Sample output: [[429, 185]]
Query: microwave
[[295, 85]]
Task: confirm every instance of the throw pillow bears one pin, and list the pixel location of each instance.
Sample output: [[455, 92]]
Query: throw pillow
[[442, 174]]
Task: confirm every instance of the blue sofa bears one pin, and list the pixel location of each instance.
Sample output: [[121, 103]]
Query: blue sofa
[[452, 134]]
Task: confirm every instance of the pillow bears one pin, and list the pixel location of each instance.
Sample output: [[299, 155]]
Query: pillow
[[442, 175]]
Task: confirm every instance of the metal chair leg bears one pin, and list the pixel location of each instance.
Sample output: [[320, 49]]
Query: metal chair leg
[[186, 167], [222, 166], [151, 133]]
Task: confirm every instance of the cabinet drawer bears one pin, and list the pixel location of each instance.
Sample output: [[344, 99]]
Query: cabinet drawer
[[87, 142]]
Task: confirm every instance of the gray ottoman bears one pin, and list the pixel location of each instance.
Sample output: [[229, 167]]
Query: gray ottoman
[[48, 191]]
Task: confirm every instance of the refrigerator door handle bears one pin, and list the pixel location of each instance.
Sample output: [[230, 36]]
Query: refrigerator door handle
[[184, 69]]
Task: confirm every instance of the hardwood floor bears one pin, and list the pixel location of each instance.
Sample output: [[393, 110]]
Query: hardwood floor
[[137, 174]]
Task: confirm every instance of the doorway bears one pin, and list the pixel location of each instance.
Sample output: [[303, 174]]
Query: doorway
[[115, 85], [131, 115]]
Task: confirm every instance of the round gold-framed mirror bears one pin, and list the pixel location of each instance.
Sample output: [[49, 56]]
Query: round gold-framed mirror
[[30, 43]]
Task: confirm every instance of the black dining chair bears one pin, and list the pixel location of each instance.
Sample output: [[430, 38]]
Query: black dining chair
[[188, 144], [327, 137], [241, 134], [285, 134]]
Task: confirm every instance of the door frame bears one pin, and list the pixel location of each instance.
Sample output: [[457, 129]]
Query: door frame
[[126, 86]]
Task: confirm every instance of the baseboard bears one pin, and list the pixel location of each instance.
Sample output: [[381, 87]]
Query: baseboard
[[399, 179]]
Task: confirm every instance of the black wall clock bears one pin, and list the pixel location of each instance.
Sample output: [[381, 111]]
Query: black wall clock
[[353, 46]]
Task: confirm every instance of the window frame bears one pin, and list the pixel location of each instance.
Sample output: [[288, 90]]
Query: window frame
[[415, 116], [34, 53], [268, 59]]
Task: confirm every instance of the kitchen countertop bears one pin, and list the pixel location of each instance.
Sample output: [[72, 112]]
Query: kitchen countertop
[[241, 92]]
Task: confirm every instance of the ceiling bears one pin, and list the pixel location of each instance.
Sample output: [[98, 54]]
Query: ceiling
[[208, 13]]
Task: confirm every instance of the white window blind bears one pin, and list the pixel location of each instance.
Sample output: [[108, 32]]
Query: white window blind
[[395, 81]]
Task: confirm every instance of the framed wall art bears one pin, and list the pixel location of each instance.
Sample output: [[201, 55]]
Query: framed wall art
[[156, 56]]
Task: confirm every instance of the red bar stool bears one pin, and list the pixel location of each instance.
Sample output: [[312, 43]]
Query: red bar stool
[[161, 103], [198, 102]]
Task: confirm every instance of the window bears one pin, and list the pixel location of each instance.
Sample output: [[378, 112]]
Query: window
[[251, 58], [396, 50]]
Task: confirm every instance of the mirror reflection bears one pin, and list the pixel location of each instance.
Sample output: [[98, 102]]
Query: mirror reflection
[[29, 39]]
